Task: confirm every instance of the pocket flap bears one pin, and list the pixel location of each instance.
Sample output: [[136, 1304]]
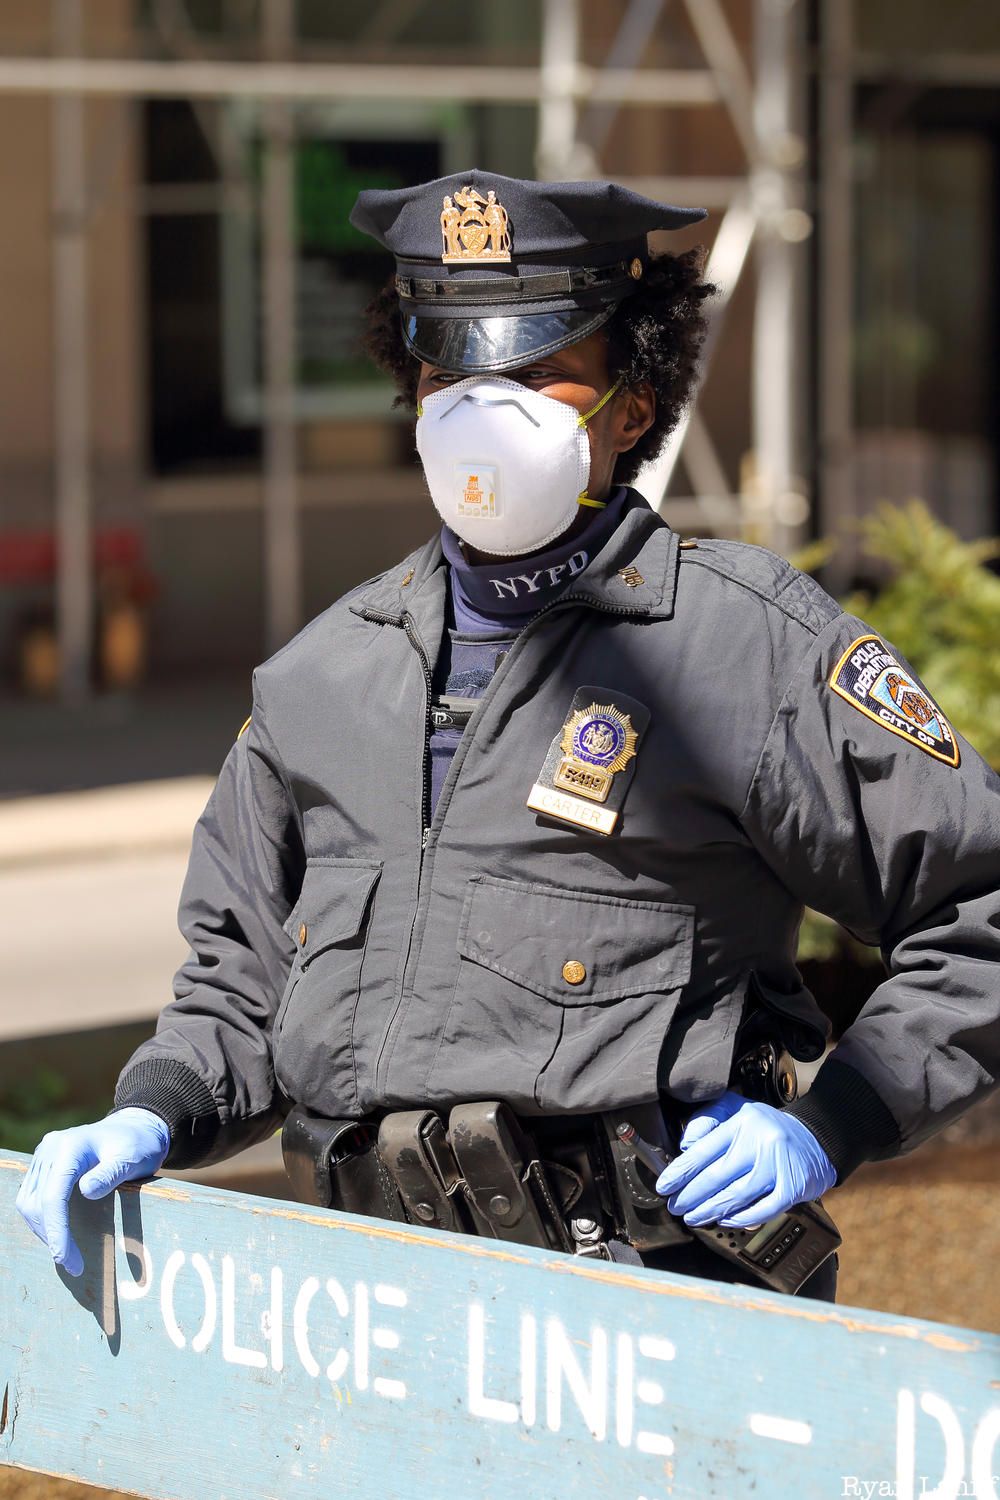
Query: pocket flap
[[573, 948], [332, 904]]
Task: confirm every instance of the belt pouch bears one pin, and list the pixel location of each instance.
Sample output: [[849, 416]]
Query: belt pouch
[[414, 1146], [335, 1164], [763, 1068], [508, 1183]]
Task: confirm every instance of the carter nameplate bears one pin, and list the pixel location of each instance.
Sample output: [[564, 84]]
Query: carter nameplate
[[546, 799]]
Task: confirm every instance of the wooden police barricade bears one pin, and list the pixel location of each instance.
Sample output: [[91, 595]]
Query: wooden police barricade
[[220, 1345]]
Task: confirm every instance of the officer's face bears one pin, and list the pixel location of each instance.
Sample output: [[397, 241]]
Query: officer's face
[[577, 375]]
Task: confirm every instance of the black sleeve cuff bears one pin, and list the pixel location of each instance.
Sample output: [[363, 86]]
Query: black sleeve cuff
[[180, 1098], [847, 1117]]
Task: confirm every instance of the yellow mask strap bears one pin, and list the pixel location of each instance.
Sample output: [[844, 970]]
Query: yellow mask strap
[[586, 416], [582, 422]]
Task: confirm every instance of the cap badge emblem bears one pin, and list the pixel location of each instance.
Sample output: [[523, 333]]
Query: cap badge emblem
[[474, 228]]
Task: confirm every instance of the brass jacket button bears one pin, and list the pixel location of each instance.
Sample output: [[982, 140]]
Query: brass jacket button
[[303, 934], [573, 972]]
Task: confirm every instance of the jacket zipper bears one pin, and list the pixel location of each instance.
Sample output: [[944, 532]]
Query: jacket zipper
[[425, 801], [406, 624]]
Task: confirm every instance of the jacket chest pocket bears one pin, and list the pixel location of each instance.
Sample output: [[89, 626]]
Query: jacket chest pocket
[[563, 999], [313, 1047]]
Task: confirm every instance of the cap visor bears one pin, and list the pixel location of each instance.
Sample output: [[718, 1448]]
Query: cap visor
[[480, 344]]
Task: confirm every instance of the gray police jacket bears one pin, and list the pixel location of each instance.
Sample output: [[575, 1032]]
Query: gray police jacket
[[349, 954]]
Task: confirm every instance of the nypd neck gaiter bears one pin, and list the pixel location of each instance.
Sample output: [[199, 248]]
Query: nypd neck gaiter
[[488, 605], [497, 595]]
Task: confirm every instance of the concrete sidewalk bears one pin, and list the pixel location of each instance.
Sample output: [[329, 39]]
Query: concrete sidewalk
[[89, 886], [107, 821], [72, 826], [97, 805], [89, 883]]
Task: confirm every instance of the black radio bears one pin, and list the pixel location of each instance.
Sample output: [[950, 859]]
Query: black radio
[[781, 1253]]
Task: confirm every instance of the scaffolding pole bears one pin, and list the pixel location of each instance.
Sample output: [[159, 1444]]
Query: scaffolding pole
[[474, 84], [282, 525], [836, 95], [73, 501], [558, 154], [777, 506], [733, 240]]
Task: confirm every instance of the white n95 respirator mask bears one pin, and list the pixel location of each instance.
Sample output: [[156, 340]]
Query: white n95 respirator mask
[[506, 466]]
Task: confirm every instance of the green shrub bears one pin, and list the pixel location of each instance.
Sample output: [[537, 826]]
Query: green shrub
[[28, 1110], [940, 608]]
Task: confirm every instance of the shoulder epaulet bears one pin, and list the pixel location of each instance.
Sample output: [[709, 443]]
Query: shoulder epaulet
[[770, 577]]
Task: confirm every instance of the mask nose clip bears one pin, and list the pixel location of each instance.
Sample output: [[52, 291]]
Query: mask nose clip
[[491, 401]]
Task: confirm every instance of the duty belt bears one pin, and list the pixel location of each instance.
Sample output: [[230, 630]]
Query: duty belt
[[579, 1184], [559, 1183]]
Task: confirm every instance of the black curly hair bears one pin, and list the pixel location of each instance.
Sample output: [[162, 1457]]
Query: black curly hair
[[654, 335]]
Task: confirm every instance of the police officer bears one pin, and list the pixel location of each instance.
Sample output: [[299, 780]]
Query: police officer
[[532, 816]]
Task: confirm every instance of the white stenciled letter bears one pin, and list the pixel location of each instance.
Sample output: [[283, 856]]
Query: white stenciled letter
[[300, 1325], [561, 1364], [983, 1447], [624, 1389], [232, 1352], [172, 1265], [650, 1392], [906, 1441], [388, 1338], [203, 1337], [481, 1405], [272, 1323], [132, 1291]]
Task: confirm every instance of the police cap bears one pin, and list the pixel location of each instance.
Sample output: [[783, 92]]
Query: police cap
[[492, 271]]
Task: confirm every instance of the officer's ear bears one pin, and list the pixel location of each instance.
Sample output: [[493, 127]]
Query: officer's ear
[[636, 412]]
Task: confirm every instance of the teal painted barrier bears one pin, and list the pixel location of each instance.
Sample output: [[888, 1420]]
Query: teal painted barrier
[[226, 1347]]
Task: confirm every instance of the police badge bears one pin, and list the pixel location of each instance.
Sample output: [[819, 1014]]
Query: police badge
[[590, 761], [598, 742]]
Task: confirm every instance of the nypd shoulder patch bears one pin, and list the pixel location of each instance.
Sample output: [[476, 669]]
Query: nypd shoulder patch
[[869, 677]]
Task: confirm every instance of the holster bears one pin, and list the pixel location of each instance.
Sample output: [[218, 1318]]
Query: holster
[[763, 1068], [642, 1215]]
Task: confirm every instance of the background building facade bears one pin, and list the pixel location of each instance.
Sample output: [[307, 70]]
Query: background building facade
[[190, 439]]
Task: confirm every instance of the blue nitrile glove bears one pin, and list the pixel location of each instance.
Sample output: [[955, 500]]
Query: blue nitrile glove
[[741, 1163], [130, 1143], [704, 1119]]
